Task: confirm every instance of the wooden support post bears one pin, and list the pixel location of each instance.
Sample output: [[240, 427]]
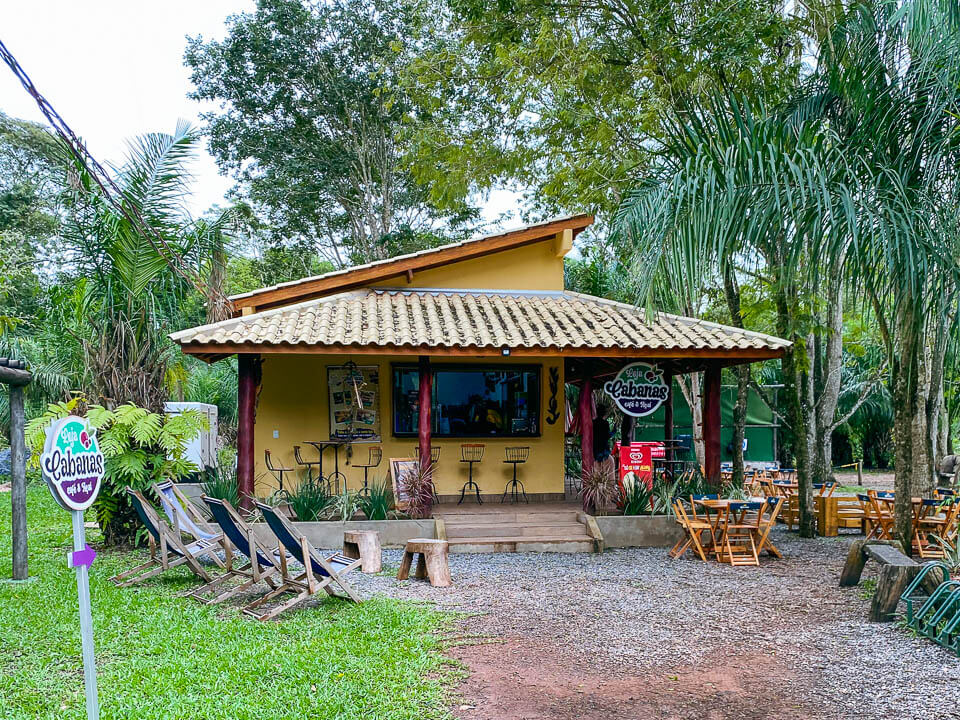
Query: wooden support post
[[424, 425], [860, 473], [18, 484], [626, 429], [711, 424], [668, 415], [248, 377], [585, 413]]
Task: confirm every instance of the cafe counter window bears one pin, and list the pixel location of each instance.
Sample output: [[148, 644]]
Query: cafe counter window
[[470, 401]]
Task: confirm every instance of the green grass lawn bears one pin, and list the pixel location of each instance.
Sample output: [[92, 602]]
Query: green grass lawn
[[162, 656]]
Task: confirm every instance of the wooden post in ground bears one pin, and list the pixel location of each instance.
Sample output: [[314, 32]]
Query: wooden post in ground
[[248, 377], [711, 424], [860, 473], [424, 425], [18, 484]]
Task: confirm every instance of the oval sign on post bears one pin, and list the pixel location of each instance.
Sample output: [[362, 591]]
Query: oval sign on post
[[638, 389], [72, 463]]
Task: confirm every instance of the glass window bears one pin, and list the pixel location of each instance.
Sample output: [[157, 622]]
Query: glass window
[[470, 401]]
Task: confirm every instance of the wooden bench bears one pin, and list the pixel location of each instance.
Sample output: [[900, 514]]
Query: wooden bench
[[896, 572], [363, 545], [432, 561], [834, 513]]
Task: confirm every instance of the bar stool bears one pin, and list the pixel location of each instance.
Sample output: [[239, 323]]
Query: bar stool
[[308, 464], [434, 459], [515, 456], [471, 453], [277, 470], [374, 456]]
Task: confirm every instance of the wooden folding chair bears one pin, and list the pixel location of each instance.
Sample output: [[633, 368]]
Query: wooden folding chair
[[263, 562], [167, 549], [883, 510], [766, 522], [928, 520], [825, 489], [692, 529], [319, 573], [871, 520], [739, 530]]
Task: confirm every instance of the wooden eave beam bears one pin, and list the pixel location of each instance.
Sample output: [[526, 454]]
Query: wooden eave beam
[[727, 357], [14, 376], [400, 267]]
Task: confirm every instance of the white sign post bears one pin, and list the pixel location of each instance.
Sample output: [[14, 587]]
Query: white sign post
[[73, 467]]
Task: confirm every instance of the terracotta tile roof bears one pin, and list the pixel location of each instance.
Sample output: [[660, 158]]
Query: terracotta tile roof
[[424, 318]]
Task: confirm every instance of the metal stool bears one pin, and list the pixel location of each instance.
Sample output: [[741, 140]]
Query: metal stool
[[277, 470], [515, 456], [308, 464], [471, 453], [374, 456], [434, 459]]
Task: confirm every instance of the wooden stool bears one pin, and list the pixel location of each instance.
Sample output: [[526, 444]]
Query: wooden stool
[[363, 545], [431, 561]]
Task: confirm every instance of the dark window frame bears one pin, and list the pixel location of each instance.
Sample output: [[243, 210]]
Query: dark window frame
[[475, 367]]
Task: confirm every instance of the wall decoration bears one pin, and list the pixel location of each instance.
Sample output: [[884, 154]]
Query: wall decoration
[[638, 389], [553, 408], [354, 398]]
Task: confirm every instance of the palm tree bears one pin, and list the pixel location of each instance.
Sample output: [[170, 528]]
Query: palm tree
[[134, 281]]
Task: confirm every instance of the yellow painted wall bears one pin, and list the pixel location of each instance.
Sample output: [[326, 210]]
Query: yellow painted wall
[[293, 402], [532, 267]]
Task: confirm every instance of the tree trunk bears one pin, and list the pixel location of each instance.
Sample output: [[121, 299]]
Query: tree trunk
[[827, 391], [690, 387], [732, 293], [904, 371]]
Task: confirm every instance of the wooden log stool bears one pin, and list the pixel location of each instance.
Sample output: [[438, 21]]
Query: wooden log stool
[[363, 545], [431, 561]]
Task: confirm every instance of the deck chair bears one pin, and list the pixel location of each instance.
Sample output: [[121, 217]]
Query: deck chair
[[167, 549], [263, 563], [693, 528], [182, 513], [766, 522], [319, 573]]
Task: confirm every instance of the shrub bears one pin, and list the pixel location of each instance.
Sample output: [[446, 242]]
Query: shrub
[[140, 448], [419, 487], [378, 502], [221, 483], [599, 489], [343, 506], [636, 499], [309, 501]]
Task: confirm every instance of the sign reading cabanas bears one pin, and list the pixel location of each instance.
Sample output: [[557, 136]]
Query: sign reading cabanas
[[638, 389], [72, 463]]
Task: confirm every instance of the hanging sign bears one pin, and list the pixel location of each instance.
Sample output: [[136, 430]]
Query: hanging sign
[[638, 389], [73, 467], [72, 463]]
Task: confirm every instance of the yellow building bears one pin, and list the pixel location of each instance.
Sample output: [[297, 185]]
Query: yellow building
[[484, 325]]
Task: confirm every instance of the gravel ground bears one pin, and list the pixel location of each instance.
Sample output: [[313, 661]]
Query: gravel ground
[[637, 612]]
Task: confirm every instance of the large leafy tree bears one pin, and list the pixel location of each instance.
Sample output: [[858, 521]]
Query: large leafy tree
[[567, 99], [309, 122]]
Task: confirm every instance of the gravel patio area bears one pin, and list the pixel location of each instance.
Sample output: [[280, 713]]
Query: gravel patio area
[[633, 633]]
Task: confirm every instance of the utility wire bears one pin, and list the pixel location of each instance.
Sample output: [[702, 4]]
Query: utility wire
[[102, 178]]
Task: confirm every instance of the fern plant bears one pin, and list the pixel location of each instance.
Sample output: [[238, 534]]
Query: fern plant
[[139, 447]]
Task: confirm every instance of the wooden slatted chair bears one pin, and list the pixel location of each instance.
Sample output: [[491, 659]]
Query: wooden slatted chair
[[739, 529], [693, 528], [766, 522], [871, 520], [883, 510], [928, 520]]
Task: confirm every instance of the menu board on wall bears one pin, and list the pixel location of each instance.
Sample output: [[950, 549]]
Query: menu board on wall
[[354, 402]]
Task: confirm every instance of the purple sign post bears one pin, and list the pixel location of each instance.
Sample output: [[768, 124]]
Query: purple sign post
[[73, 467]]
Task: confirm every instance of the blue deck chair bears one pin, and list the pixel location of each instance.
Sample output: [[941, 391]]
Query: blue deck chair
[[263, 563], [183, 514], [319, 573], [167, 548]]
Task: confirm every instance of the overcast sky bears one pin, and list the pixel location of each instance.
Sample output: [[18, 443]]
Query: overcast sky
[[114, 69]]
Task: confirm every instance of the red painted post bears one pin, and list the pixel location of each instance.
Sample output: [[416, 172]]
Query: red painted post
[[711, 424], [248, 371], [585, 411], [668, 416], [424, 426]]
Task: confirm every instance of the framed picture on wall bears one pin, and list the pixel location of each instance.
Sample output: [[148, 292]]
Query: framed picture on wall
[[354, 401], [400, 468]]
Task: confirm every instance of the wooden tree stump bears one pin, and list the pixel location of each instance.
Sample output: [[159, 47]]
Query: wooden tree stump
[[432, 561], [365, 546]]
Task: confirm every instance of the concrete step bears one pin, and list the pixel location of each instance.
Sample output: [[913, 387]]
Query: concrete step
[[479, 530], [516, 517], [521, 544]]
